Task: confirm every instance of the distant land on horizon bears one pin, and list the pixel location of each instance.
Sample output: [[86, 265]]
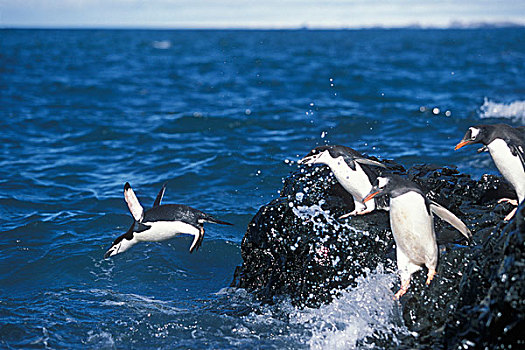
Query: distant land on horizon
[[451, 25]]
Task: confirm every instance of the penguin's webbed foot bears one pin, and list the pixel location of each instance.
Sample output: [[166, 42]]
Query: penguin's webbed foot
[[512, 202], [511, 214], [363, 212], [344, 216], [508, 200], [402, 290], [483, 149], [356, 212], [430, 275]]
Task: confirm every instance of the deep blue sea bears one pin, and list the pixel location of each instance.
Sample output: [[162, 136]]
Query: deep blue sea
[[220, 117]]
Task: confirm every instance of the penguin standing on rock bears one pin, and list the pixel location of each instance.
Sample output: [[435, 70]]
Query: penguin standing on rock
[[412, 225], [351, 169], [160, 223], [506, 145]]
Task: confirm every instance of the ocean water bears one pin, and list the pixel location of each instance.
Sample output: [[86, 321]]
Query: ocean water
[[220, 117]]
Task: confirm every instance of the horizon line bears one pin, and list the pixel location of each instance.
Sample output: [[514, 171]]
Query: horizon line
[[452, 25]]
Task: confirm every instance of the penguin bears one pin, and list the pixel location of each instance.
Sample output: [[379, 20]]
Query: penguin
[[351, 169], [506, 145], [412, 224], [161, 222]]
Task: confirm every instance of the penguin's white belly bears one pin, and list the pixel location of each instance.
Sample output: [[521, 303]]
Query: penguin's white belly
[[413, 229], [163, 230], [355, 182], [508, 165]]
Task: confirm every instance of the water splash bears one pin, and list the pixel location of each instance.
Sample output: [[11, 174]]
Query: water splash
[[364, 316], [315, 212], [514, 111]]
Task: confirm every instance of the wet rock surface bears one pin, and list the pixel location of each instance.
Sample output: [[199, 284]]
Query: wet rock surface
[[296, 246], [491, 310]]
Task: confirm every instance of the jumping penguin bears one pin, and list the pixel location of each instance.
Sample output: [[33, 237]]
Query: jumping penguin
[[412, 225], [506, 146], [160, 223], [351, 169]]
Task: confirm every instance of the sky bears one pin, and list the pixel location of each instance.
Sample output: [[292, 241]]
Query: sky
[[257, 13]]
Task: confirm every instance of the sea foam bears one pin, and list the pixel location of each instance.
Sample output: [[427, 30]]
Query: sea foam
[[514, 111], [359, 317]]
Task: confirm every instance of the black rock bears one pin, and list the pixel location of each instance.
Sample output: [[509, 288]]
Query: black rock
[[491, 308], [296, 246]]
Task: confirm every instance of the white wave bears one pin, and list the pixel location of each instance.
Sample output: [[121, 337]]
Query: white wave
[[162, 44], [514, 111], [364, 316], [358, 317], [100, 340]]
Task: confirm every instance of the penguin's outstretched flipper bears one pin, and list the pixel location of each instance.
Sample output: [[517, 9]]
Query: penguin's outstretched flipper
[[133, 203], [452, 219], [369, 162], [197, 240], [159, 196]]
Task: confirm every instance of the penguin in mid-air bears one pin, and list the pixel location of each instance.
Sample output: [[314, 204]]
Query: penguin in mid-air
[[351, 169], [160, 223], [412, 225], [506, 145]]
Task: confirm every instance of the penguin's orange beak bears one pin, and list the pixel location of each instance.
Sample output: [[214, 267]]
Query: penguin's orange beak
[[461, 144], [371, 195]]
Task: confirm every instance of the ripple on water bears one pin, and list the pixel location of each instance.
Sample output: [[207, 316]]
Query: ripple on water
[[213, 114]]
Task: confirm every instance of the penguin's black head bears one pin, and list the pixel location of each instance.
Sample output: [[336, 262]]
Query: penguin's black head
[[319, 155], [122, 243], [474, 134], [381, 187], [326, 153], [392, 186]]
